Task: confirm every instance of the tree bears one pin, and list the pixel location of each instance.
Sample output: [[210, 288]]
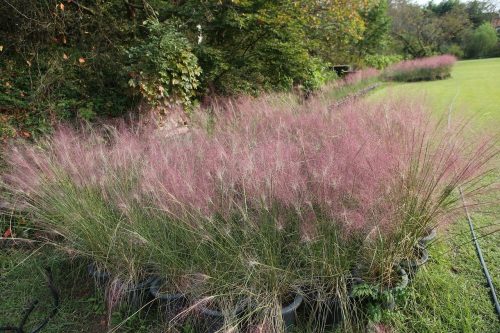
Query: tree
[[435, 28], [417, 30], [249, 45], [454, 25], [444, 6], [481, 41], [375, 37], [480, 11]]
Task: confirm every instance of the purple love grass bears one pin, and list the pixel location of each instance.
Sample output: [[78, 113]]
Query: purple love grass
[[361, 166], [361, 75], [430, 68], [428, 62]]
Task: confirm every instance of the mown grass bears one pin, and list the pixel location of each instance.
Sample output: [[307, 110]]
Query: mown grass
[[22, 280], [451, 295], [473, 89], [82, 307]]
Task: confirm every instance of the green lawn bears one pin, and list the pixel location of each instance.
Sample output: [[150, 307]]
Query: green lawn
[[474, 88], [451, 294], [82, 307]]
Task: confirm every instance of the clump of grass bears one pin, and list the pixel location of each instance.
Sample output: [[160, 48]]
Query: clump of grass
[[361, 75], [421, 69], [270, 202], [350, 84]]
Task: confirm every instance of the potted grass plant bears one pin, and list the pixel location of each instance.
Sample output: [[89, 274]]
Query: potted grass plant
[[273, 200], [171, 303]]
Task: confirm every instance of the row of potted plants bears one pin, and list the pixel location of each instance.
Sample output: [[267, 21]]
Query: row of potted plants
[[211, 319]]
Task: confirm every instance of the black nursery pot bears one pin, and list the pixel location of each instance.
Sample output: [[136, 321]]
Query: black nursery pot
[[138, 294], [212, 320], [101, 277], [412, 265], [170, 304], [289, 312], [428, 238], [390, 303], [331, 313]]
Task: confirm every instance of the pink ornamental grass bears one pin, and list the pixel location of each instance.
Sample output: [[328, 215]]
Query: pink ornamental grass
[[428, 62], [361, 75], [354, 165], [430, 68]]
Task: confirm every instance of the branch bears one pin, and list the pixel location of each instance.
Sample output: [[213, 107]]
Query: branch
[[87, 9]]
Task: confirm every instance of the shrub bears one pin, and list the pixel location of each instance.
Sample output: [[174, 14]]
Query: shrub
[[271, 199], [381, 61], [164, 68], [481, 42], [422, 69], [455, 50]]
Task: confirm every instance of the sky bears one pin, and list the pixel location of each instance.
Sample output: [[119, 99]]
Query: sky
[[424, 2]]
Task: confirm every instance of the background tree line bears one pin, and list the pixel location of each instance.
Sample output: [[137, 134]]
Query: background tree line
[[82, 59], [62, 59], [450, 26]]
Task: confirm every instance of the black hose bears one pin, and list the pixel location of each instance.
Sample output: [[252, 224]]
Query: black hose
[[31, 307], [481, 259]]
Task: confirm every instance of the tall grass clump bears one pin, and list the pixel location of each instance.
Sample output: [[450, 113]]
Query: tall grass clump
[[349, 85], [257, 203], [361, 75], [421, 69]]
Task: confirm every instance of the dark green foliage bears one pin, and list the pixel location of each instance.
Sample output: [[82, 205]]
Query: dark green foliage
[[164, 69], [62, 60], [439, 28], [251, 46], [382, 61], [376, 36], [481, 42], [480, 11], [443, 7], [66, 60]]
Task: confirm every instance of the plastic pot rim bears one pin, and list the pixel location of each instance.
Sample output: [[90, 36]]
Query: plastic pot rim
[[417, 262], [97, 274], [429, 237], [297, 301], [144, 284], [154, 289], [216, 313]]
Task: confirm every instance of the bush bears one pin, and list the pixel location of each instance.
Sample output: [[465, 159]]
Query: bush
[[267, 202], [57, 57], [455, 50], [422, 69], [164, 69], [481, 42]]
